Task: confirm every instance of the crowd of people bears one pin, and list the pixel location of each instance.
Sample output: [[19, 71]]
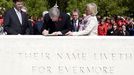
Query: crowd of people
[[54, 22], [116, 25]]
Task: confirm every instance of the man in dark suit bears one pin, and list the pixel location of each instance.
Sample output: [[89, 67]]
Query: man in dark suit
[[15, 20], [75, 22], [56, 23]]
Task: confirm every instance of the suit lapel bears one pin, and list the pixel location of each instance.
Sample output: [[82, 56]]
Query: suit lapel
[[16, 17], [22, 14], [78, 25], [76, 28]]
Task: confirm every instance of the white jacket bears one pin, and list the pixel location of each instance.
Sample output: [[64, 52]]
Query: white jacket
[[89, 27]]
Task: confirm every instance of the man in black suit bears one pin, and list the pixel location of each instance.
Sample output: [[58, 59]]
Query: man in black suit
[[15, 20], [56, 23], [75, 22]]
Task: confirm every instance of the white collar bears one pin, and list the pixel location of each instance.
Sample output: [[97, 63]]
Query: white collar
[[16, 10]]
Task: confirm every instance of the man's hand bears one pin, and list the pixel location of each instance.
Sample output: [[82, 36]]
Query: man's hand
[[45, 32], [56, 33], [69, 33]]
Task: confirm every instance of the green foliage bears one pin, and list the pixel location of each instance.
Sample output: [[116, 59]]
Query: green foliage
[[110, 7], [61, 3], [79, 4], [5, 5], [72, 4], [105, 7], [36, 7]]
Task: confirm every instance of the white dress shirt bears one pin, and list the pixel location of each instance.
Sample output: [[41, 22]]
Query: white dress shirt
[[76, 24], [19, 15], [88, 27]]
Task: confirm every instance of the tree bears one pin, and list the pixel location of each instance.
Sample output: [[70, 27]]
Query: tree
[[77, 4], [61, 3], [130, 5], [105, 7], [110, 7], [36, 7], [5, 5]]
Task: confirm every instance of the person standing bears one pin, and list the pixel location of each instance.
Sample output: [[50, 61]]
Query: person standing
[[15, 20], [102, 28], [1, 20], [75, 22]]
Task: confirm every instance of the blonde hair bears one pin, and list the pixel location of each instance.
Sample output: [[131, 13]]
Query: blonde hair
[[92, 8], [24, 9]]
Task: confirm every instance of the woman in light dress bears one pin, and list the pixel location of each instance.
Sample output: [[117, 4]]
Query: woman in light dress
[[89, 25]]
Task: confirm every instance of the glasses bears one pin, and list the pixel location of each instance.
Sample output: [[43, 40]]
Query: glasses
[[74, 15]]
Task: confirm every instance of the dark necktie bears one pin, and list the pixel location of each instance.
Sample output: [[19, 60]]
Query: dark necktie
[[75, 26]]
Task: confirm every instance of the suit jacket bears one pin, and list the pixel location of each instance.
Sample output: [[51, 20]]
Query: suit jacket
[[125, 33], [37, 28], [75, 28], [12, 24], [112, 32], [63, 24]]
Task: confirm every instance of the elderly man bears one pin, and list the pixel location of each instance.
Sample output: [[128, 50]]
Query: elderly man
[[56, 23]]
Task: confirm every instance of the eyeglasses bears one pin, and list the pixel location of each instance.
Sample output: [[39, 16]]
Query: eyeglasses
[[74, 15]]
